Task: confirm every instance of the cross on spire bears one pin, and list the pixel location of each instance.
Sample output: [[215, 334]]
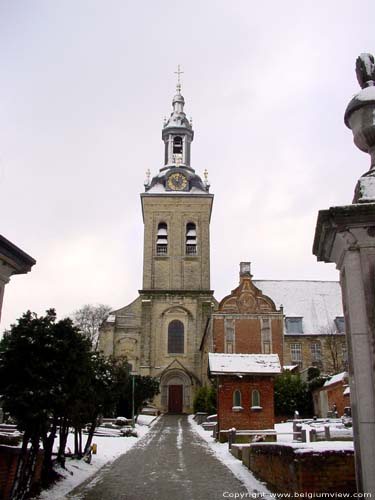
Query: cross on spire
[[178, 73]]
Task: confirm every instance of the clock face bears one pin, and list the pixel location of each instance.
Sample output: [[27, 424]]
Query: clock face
[[177, 182]]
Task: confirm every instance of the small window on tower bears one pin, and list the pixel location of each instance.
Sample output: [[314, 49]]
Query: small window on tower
[[162, 239], [177, 145], [191, 239]]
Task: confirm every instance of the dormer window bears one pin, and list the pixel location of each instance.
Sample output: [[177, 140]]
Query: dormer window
[[191, 239], [340, 324], [177, 145], [293, 325], [162, 239]]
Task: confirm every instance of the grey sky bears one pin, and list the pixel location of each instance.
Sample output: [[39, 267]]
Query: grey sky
[[84, 87]]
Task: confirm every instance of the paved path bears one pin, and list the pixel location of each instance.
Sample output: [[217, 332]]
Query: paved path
[[170, 463]]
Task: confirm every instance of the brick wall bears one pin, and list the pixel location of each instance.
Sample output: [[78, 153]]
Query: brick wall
[[8, 467], [286, 470], [246, 418]]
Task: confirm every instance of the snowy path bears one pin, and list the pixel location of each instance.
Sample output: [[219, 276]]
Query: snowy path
[[171, 462]]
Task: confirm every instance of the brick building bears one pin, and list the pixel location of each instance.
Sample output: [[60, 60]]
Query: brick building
[[334, 396], [245, 389], [245, 322], [175, 321]]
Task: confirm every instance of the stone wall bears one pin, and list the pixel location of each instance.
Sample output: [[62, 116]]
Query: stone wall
[[299, 470]]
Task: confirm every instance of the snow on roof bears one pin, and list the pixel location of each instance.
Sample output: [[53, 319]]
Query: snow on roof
[[290, 367], [317, 302], [244, 364], [339, 377], [159, 189], [346, 391]]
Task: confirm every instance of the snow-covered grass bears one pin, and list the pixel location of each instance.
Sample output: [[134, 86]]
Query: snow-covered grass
[[236, 466], [108, 449]]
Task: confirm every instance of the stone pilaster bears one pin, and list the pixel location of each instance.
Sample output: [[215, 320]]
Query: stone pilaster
[[346, 236]]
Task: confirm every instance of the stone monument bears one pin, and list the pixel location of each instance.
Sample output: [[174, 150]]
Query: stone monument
[[345, 235]]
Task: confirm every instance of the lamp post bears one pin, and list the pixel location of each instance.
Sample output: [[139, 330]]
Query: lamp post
[[133, 387]]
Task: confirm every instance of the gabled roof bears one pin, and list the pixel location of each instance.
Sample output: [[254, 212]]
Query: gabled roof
[[243, 364], [339, 377], [317, 302]]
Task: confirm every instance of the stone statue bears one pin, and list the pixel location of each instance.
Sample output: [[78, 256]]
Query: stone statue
[[365, 69]]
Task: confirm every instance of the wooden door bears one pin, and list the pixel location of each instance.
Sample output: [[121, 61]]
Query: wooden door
[[175, 398]]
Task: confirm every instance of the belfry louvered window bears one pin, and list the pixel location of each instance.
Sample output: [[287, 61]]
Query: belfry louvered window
[[191, 239], [177, 145], [162, 239]]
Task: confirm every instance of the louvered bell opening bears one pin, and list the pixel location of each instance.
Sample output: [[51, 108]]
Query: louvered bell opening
[[161, 248]]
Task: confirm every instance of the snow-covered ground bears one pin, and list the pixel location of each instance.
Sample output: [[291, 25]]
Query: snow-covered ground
[[236, 466], [108, 449], [243, 473]]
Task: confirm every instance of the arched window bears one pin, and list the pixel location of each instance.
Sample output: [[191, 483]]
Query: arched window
[[191, 239], [237, 400], [162, 239], [255, 398], [176, 337], [177, 145]]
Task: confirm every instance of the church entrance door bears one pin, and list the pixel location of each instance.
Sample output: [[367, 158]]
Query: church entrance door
[[175, 398]]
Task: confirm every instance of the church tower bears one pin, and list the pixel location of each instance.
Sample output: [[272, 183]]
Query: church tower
[[161, 331]]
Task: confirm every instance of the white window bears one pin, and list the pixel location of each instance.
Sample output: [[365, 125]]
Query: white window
[[316, 352], [296, 353], [266, 335], [255, 398], [191, 239], [162, 239]]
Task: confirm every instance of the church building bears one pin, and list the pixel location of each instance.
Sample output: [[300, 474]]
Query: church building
[[161, 331], [175, 323]]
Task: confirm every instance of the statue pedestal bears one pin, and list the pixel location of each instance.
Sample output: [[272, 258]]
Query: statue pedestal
[[346, 236]]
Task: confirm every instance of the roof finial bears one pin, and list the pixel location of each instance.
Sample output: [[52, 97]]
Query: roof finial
[[178, 73]]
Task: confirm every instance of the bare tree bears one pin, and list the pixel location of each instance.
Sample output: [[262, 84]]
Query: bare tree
[[334, 346], [89, 319]]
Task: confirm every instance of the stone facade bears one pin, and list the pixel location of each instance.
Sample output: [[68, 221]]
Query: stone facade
[[325, 351], [161, 331], [13, 260]]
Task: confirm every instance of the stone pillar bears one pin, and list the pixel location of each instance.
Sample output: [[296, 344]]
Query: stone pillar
[[346, 236]]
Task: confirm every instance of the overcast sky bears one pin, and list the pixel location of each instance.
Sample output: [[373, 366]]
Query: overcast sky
[[84, 88]]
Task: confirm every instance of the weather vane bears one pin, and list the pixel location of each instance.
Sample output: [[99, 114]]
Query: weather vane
[[178, 73]]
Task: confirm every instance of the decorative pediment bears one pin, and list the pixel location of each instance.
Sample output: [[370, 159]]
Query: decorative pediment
[[246, 299]]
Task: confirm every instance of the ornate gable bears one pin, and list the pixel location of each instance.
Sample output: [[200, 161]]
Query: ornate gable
[[246, 299]]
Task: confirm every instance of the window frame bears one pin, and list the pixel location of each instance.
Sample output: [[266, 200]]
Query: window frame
[[173, 339]]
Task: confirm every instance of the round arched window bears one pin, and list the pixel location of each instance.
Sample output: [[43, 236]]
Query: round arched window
[[176, 337]]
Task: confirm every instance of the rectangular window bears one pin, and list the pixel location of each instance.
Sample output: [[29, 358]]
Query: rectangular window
[[266, 347], [293, 325], [229, 348], [229, 329], [266, 329], [316, 352], [296, 353]]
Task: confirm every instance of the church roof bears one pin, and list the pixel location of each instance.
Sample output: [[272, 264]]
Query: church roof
[[158, 183], [318, 303], [243, 364]]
